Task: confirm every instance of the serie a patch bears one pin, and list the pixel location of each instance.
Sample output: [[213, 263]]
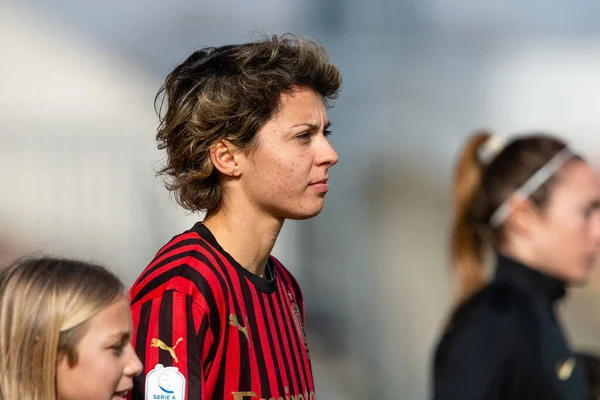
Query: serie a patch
[[165, 383]]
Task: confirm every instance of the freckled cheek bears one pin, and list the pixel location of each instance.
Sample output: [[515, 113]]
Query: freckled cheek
[[284, 176], [285, 186], [288, 168]]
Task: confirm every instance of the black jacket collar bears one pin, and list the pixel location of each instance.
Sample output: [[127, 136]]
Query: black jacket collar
[[536, 283]]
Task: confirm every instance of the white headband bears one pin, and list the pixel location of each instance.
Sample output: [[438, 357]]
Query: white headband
[[531, 185]]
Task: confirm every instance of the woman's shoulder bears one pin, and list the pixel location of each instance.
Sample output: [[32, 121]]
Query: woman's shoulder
[[497, 300], [500, 313]]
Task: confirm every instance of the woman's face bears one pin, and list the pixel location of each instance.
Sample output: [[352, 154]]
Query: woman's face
[[565, 237]]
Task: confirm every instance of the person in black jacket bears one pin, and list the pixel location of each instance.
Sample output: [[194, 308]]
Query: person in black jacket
[[531, 205]]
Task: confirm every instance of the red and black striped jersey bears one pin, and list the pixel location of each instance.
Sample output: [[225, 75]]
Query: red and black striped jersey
[[230, 333]]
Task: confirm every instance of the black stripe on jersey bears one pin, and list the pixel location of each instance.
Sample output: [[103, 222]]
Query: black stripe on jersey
[[215, 322], [165, 327], [190, 273], [142, 329], [200, 337], [174, 257], [272, 350], [298, 342], [170, 245], [194, 350], [297, 293], [208, 365], [253, 326], [245, 378], [288, 368], [281, 302], [261, 284], [140, 349]]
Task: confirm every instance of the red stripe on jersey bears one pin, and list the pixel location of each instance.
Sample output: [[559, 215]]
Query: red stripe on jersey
[[209, 275], [162, 254], [192, 277], [144, 279], [232, 360], [172, 243], [237, 289], [278, 344], [180, 334], [219, 295], [297, 341], [152, 352], [280, 321], [262, 331], [300, 342], [197, 315], [289, 320], [179, 283], [173, 251], [135, 321], [239, 333]]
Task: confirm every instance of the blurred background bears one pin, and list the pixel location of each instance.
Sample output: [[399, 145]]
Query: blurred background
[[77, 152]]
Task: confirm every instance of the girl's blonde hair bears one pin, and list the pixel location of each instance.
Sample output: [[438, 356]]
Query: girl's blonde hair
[[44, 306]]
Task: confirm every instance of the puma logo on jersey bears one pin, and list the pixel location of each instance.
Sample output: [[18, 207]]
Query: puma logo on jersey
[[233, 321], [161, 345]]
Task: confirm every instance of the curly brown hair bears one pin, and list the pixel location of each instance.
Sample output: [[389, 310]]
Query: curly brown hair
[[230, 92]]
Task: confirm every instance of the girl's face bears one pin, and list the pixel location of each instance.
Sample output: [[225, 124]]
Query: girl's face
[[565, 237], [106, 361]]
